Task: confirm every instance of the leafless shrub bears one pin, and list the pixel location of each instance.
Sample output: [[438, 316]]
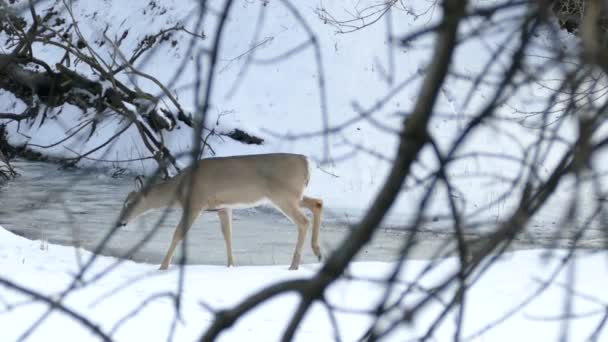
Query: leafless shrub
[[578, 94]]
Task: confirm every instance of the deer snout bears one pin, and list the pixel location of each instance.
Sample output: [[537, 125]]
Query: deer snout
[[122, 221]]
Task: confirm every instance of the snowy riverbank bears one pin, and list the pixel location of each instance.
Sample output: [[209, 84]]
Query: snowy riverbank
[[48, 269]]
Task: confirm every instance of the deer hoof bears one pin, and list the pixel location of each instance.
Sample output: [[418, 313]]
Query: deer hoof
[[317, 251]]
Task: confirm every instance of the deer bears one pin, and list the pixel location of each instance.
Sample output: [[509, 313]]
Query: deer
[[222, 184]]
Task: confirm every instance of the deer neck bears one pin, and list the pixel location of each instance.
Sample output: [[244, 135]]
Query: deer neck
[[163, 195]]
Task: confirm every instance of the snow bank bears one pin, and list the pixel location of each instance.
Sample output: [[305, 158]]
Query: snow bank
[[283, 97], [48, 269]]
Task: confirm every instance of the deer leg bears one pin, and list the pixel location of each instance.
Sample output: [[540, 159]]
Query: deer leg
[[315, 205], [181, 230], [292, 211], [226, 222]]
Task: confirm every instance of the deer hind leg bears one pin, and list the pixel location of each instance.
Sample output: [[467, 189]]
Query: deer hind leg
[[226, 222], [315, 205], [292, 211], [181, 230]]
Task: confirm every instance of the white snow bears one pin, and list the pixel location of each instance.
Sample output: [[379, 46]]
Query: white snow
[[49, 269], [283, 99]]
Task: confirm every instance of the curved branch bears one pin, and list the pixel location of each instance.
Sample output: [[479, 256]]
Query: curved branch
[[58, 306], [413, 138]]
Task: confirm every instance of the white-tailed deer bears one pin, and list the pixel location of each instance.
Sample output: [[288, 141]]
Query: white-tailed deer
[[233, 182]]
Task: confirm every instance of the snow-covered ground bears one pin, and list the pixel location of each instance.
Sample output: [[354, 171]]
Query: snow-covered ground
[[283, 97], [49, 269]]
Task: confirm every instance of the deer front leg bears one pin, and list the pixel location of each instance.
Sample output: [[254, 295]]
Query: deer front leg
[[226, 222], [182, 228]]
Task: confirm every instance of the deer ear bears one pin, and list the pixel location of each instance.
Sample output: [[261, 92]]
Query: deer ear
[[139, 183]]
